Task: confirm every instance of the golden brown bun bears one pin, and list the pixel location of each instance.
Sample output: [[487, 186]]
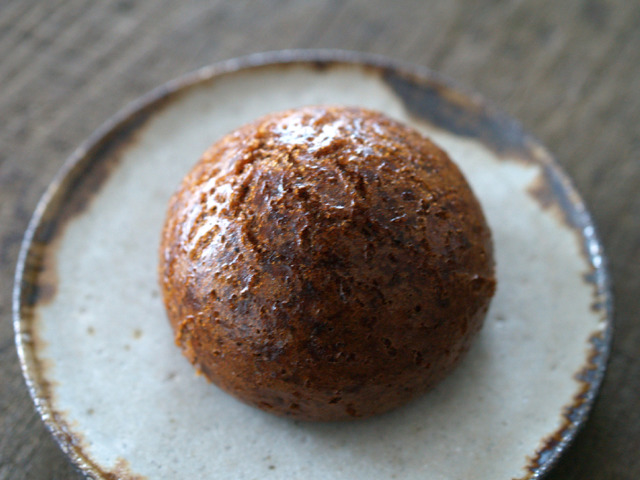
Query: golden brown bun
[[325, 263]]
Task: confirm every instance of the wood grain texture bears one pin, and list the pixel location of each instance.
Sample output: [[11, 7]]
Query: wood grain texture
[[568, 70]]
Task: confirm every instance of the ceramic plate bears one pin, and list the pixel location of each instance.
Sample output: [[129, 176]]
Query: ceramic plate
[[98, 353]]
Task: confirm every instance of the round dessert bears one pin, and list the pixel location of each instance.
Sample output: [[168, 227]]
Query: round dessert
[[325, 263]]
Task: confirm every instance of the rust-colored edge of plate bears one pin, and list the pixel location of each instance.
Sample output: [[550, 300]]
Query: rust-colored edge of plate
[[426, 94]]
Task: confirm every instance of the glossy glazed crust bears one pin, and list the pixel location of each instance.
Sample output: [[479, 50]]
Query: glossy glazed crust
[[325, 263]]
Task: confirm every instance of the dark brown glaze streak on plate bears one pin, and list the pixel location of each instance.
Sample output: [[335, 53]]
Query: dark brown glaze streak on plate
[[454, 111], [556, 189], [425, 94], [575, 414], [70, 193]]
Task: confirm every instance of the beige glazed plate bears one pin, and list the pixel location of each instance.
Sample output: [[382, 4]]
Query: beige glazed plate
[[98, 353]]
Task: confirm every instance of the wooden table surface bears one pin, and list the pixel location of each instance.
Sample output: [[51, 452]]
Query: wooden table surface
[[568, 70]]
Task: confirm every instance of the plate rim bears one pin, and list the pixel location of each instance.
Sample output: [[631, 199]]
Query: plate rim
[[141, 108]]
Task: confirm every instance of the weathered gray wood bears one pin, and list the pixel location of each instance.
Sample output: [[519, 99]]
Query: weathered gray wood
[[569, 70]]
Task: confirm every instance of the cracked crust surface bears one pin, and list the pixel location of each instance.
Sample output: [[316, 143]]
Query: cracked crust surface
[[325, 263]]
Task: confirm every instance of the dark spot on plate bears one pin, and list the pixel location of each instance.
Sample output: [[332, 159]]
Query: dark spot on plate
[[122, 471], [552, 190], [322, 65]]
